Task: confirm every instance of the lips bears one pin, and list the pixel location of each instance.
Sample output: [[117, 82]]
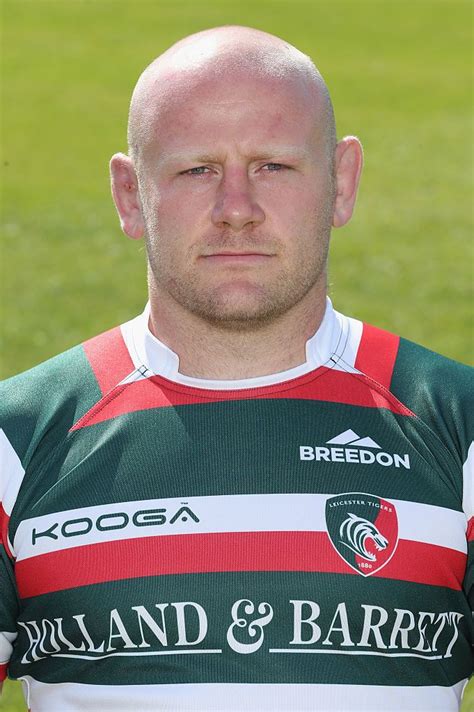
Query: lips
[[238, 253], [237, 257]]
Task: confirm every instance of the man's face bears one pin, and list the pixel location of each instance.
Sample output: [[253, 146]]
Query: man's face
[[237, 199]]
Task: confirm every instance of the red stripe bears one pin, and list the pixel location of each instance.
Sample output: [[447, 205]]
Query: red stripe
[[109, 358], [470, 529], [3, 671], [4, 522], [322, 385], [377, 353], [241, 551]]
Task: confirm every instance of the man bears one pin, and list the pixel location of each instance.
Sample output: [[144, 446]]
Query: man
[[241, 499]]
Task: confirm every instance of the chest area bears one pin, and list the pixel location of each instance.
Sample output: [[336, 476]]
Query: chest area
[[244, 527], [261, 485]]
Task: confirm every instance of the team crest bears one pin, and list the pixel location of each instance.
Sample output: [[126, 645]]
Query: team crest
[[363, 528]]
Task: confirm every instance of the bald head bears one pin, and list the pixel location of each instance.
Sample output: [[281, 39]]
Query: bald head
[[224, 54]]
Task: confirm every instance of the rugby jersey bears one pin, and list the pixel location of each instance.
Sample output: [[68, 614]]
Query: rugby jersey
[[299, 541]]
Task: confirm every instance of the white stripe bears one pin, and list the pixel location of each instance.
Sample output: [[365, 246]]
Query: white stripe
[[6, 647], [326, 651], [74, 697], [468, 483], [429, 524], [142, 653], [219, 514], [11, 473]]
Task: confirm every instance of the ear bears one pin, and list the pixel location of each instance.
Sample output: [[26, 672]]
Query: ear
[[348, 167], [124, 184]]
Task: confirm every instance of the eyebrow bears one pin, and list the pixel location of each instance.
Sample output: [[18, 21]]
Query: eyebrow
[[266, 153]]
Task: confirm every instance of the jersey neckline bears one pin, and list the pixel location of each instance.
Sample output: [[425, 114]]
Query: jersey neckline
[[325, 348]]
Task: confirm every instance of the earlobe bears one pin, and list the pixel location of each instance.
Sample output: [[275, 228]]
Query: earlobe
[[126, 197], [349, 160]]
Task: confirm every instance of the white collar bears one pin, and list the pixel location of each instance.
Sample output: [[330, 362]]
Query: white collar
[[152, 357]]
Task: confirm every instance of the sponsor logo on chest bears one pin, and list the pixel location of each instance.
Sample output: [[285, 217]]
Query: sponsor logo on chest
[[349, 447], [113, 521], [186, 627]]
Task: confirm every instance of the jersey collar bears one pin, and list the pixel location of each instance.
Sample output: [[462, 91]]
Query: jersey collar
[[150, 353]]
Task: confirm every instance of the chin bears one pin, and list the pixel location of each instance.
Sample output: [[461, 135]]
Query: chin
[[239, 314], [240, 305]]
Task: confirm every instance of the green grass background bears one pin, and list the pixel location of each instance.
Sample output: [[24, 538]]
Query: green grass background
[[400, 74]]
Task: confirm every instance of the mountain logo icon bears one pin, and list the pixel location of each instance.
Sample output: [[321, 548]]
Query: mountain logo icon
[[349, 437]]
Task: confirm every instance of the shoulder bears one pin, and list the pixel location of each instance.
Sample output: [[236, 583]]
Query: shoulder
[[429, 383], [419, 372], [436, 389], [410, 371], [52, 396], [401, 365], [439, 391]]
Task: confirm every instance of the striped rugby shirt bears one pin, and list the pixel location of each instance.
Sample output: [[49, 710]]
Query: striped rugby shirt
[[301, 541]]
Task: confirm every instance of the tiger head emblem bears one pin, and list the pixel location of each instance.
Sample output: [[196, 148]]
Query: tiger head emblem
[[354, 533]]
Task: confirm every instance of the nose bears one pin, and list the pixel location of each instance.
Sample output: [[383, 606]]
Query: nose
[[236, 206]]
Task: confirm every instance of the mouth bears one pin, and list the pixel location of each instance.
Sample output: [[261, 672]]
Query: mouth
[[237, 258]]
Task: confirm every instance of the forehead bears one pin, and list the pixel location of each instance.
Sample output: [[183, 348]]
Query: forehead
[[250, 111]]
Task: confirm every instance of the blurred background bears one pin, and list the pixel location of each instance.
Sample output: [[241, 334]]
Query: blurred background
[[400, 75]]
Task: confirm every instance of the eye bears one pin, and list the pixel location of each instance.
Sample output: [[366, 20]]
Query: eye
[[273, 167], [197, 171]]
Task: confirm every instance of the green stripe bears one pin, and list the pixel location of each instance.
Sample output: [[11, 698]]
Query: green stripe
[[217, 594], [230, 448]]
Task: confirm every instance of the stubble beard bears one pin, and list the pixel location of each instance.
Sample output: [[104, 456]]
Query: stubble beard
[[244, 304]]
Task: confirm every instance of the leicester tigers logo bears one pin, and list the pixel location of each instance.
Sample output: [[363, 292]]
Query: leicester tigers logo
[[363, 529], [354, 531]]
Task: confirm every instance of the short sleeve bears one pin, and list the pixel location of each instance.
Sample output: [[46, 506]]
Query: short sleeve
[[11, 475], [8, 611], [468, 506]]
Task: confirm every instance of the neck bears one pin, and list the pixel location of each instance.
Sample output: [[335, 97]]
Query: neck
[[208, 351]]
